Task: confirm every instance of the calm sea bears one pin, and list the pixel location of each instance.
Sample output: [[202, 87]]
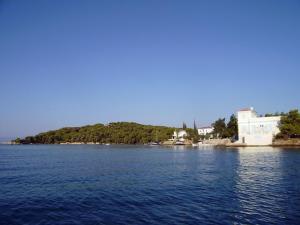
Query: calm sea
[[93, 184]]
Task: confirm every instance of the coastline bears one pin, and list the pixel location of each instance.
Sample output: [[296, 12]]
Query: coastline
[[276, 143]]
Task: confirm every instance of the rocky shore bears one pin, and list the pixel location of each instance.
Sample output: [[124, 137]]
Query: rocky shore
[[287, 142], [291, 142]]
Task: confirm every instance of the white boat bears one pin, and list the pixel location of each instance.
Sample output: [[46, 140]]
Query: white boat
[[179, 143], [153, 144]]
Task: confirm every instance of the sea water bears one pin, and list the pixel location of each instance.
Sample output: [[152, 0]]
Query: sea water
[[123, 184]]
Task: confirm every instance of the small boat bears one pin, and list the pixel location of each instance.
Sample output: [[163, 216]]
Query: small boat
[[156, 142], [179, 143], [153, 144], [107, 144]]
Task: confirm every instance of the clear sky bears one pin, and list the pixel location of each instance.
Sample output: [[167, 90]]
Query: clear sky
[[71, 63]]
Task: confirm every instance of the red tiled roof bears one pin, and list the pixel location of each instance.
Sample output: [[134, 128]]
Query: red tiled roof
[[245, 109]]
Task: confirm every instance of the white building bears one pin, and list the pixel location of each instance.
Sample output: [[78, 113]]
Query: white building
[[180, 135], [255, 130], [205, 130]]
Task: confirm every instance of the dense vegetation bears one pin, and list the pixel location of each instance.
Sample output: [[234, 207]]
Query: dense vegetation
[[120, 132], [275, 114], [223, 130], [134, 133], [290, 125]]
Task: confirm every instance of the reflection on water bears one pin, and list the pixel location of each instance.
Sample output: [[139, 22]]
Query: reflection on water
[[148, 185], [261, 188]]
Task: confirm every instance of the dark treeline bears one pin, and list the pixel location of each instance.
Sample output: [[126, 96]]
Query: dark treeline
[[223, 130], [290, 125], [119, 133]]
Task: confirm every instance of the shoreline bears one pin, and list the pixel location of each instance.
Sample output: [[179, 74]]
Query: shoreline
[[232, 145]]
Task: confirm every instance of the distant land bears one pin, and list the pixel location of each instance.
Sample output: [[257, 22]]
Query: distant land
[[116, 132], [5, 139], [286, 126]]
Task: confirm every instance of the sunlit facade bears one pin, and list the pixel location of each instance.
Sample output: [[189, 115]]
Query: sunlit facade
[[255, 130]]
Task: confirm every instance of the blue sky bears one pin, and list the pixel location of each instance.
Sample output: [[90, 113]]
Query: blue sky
[[71, 63]]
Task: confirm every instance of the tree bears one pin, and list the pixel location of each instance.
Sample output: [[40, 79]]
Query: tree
[[232, 127], [120, 132], [195, 136], [290, 124], [17, 141], [219, 128], [195, 127]]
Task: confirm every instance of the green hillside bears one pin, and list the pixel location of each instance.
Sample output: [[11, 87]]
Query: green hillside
[[119, 132]]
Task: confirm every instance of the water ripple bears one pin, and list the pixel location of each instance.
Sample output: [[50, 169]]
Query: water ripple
[[140, 185]]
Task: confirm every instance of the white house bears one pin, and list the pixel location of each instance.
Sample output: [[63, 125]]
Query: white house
[[180, 135], [255, 130], [205, 130]]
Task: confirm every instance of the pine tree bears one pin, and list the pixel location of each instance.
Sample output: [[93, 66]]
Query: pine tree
[[195, 126]]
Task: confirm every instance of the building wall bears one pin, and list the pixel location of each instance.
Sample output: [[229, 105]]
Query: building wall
[[180, 135], [254, 130], [206, 130]]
